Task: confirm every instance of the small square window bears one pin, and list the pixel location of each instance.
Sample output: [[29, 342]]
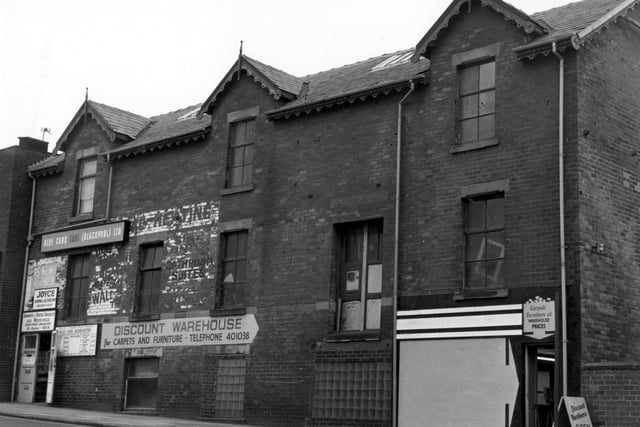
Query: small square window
[[142, 383], [484, 242]]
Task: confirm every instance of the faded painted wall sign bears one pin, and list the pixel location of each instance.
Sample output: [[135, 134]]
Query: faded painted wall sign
[[539, 318], [45, 273], [193, 331], [188, 216], [76, 340], [38, 321], [108, 280], [89, 236]]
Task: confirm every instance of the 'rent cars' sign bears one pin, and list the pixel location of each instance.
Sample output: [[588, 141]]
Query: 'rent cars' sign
[[89, 236]]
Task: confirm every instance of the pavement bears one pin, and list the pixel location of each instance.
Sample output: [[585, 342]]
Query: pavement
[[43, 412]]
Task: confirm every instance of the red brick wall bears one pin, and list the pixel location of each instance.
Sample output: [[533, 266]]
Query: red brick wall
[[608, 129], [15, 200]]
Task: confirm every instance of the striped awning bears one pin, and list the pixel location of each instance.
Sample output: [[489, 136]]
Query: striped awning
[[460, 322]]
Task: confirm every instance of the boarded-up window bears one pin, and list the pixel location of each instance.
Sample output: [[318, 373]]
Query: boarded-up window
[[86, 185], [230, 388], [359, 275], [352, 390]]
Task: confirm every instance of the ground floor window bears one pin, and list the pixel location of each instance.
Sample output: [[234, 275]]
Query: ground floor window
[[352, 390], [142, 383], [230, 388]]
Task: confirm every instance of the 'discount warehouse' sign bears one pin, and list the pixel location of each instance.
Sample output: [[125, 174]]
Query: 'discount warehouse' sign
[[180, 332]]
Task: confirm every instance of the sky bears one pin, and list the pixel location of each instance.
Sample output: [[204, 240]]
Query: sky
[[155, 56]]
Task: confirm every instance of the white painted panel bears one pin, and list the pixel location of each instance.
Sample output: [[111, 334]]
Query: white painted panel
[[474, 321], [453, 383]]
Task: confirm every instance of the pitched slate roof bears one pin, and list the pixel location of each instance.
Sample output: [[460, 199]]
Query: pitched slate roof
[[279, 83], [117, 124], [166, 130], [121, 121], [509, 12], [574, 23], [381, 74]]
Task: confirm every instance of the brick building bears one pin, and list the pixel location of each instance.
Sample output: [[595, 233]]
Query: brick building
[[243, 260], [15, 197]]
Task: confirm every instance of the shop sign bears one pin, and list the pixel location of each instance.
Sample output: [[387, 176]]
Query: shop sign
[[539, 318], [577, 411], [89, 236], [38, 321], [76, 340], [44, 299], [190, 331]]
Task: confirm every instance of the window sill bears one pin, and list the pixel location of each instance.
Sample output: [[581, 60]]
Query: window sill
[[81, 218], [143, 317], [348, 336], [221, 312], [236, 189], [474, 145], [480, 294]]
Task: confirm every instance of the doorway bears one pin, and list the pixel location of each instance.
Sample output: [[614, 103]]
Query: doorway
[[539, 376]]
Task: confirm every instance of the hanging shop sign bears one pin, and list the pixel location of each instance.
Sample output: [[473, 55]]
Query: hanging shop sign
[[192, 331], [539, 318], [38, 321], [77, 340], [89, 236], [44, 299]]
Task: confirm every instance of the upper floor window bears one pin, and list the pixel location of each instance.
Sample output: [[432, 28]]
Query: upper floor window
[[86, 185], [149, 279], [233, 269], [240, 156], [359, 275], [484, 242], [77, 286], [477, 101]]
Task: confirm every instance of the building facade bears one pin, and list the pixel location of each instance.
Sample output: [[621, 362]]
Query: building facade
[[406, 237], [15, 197]]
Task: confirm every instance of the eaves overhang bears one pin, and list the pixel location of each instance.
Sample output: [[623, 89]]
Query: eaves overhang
[[345, 98], [125, 152]]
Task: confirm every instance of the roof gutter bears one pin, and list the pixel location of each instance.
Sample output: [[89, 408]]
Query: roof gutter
[[340, 99]]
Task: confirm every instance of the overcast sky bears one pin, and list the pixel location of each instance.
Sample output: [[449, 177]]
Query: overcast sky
[[155, 56]]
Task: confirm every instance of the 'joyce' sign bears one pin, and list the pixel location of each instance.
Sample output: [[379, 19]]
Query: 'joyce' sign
[[539, 318]]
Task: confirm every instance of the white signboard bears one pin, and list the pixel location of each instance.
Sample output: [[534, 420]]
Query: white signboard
[[44, 299], [38, 321], [539, 318], [190, 331], [577, 411], [76, 340]]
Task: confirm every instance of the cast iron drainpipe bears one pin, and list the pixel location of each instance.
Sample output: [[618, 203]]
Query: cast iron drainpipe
[[563, 278], [30, 240], [396, 237]]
